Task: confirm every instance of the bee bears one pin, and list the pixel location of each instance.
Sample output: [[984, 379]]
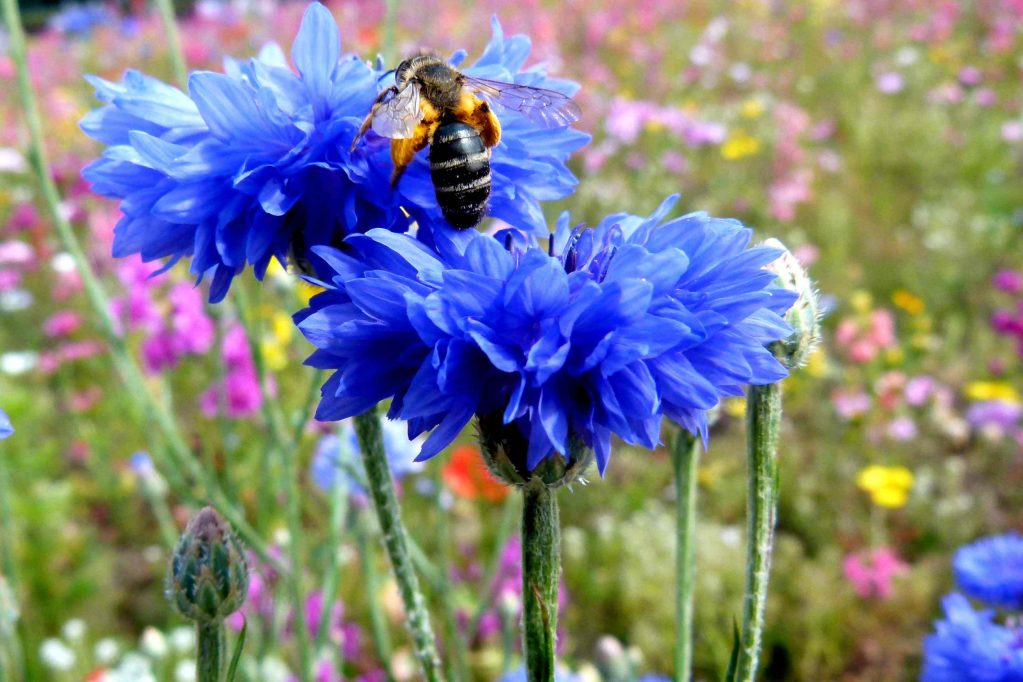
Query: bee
[[432, 103]]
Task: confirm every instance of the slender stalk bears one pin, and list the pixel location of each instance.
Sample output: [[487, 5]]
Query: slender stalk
[[458, 668], [181, 455], [504, 531], [209, 663], [541, 562], [295, 551], [381, 639], [338, 514], [764, 421], [9, 569], [170, 31], [685, 455], [381, 487]]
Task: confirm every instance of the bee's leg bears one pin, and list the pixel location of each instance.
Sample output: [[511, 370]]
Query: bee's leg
[[486, 124], [368, 121], [475, 111], [403, 151]]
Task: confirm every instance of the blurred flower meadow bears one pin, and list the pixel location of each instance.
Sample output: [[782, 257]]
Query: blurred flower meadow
[[880, 141]]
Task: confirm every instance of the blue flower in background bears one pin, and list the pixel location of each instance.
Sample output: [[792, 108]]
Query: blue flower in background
[[968, 646], [255, 162], [340, 455], [519, 675], [611, 330], [6, 429], [991, 570]]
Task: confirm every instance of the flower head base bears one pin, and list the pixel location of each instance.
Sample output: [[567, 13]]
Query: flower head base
[[991, 570], [804, 316], [606, 331], [504, 451], [254, 163], [208, 577]]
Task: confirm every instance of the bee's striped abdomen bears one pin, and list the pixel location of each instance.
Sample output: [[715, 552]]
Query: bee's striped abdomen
[[460, 169]]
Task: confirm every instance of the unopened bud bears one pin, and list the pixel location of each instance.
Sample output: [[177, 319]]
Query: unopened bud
[[208, 576], [505, 448], [804, 315]]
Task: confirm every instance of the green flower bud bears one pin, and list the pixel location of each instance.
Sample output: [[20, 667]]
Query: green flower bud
[[504, 451], [804, 315], [208, 577]]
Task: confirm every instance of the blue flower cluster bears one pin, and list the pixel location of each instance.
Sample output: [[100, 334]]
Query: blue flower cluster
[[5, 425], [604, 332], [968, 645], [254, 163], [991, 570], [338, 457]]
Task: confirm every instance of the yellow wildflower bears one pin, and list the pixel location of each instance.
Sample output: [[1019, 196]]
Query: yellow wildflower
[[861, 301], [305, 291], [888, 486], [911, 303], [752, 108], [735, 407], [992, 390], [282, 327], [817, 363], [740, 145], [274, 356], [894, 355]]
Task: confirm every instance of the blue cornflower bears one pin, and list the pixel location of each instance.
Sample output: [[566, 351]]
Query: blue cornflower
[[991, 570], [255, 162], [339, 455], [968, 646], [519, 675], [608, 332], [5, 425]]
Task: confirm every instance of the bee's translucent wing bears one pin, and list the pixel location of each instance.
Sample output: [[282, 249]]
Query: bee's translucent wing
[[398, 117], [546, 108]]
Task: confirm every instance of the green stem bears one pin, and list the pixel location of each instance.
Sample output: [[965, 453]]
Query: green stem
[[764, 421], [170, 31], [458, 668], [685, 455], [274, 420], [381, 487], [181, 455], [541, 562], [210, 659], [381, 639], [9, 568], [338, 513], [504, 531]]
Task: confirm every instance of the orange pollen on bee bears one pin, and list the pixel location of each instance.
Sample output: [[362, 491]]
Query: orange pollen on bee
[[476, 112]]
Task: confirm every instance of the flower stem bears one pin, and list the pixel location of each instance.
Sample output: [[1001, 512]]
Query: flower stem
[[377, 624], [170, 31], [338, 517], [764, 420], [504, 530], [209, 663], [541, 563], [181, 455], [381, 487], [685, 455], [275, 423]]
